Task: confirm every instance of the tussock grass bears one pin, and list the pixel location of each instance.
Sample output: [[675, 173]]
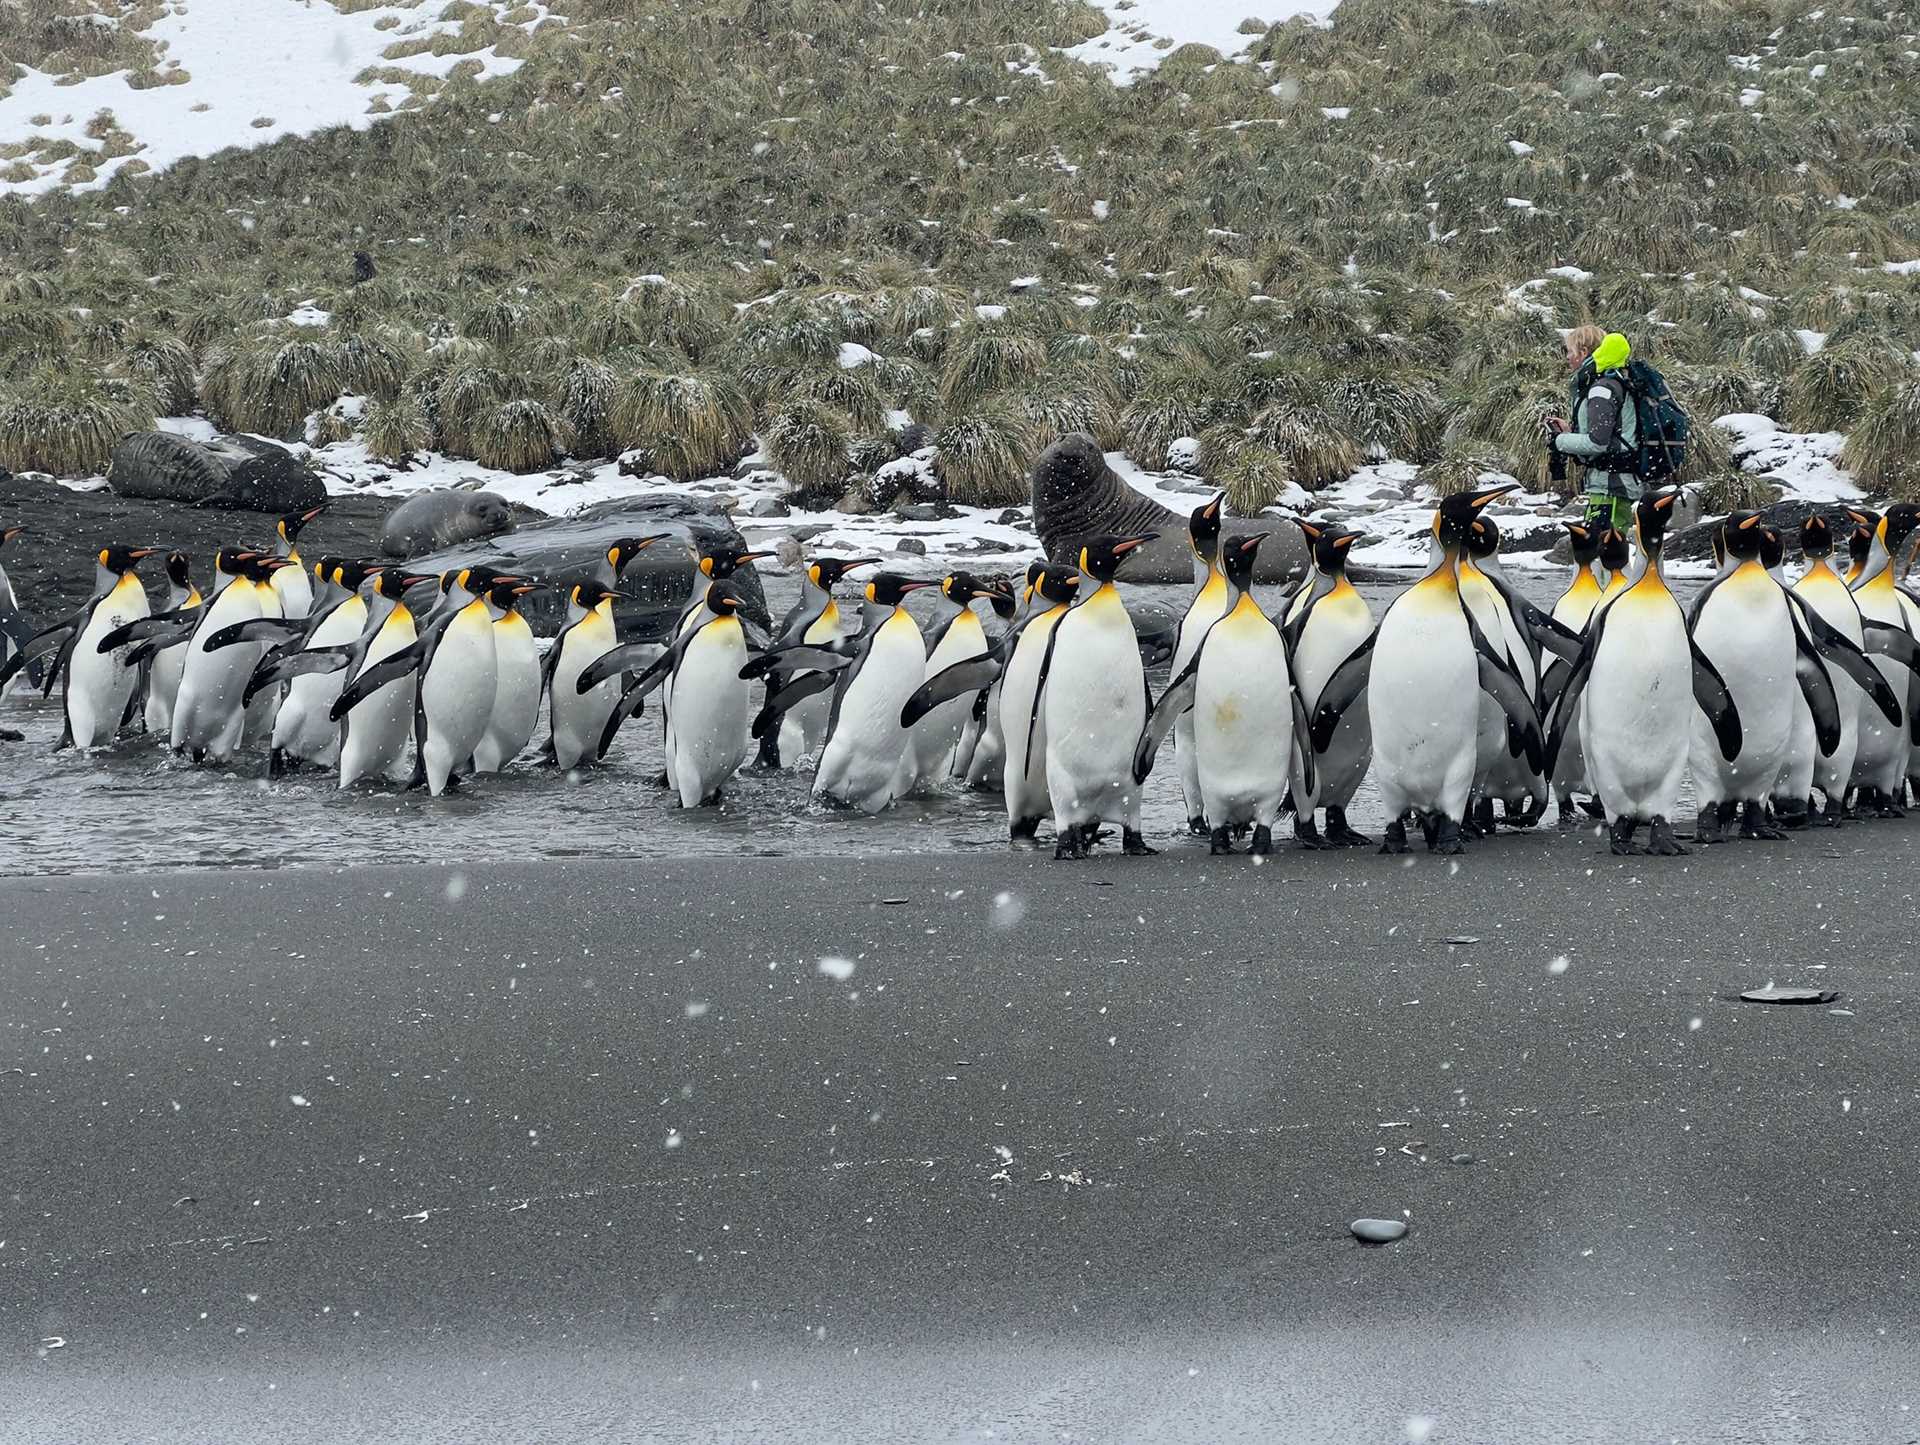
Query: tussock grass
[[396, 430], [1883, 449], [66, 421], [1828, 390], [807, 441], [985, 453], [1318, 452], [690, 426], [522, 435]]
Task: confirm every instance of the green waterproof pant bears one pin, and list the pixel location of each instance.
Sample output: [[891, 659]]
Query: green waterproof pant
[[1607, 511]]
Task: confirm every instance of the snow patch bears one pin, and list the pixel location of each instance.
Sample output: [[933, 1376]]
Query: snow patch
[[1146, 32]]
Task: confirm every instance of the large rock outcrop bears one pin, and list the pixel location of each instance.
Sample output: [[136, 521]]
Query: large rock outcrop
[[241, 473]]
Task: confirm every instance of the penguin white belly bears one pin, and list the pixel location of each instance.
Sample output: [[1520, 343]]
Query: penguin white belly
[[1023, 726], [293, 589], [1882, 748], [1795, 778], [1340, 623], [986, 766], [862, 761], [1423, 703], [1497, 773], [579, 720], [207, 716], [374, 735], [1637, 711], [302, 726], [163, 686], [516, 696], [264, 711], [97, 687], [1096, 707], [1243, 722], [710, 733], [456, 694], [804, 727], [1206, 608], [937, 735], [1745, 632]]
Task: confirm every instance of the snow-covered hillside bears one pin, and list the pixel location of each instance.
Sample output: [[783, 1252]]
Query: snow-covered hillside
[[240, 73], [1145, 32]]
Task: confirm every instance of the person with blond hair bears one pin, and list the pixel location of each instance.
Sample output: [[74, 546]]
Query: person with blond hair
[[1604, 434]]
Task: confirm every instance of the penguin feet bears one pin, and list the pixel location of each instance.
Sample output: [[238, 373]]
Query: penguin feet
[[1340, 834], [1430, 827], [1827, 817], [1707, 828], [1262, 844], [1307, 835], [1024, 830], [1071, 843], [1220, 841], [1197, 826], [1447, 838], [1662, 843], [1483, 819], [1526, 816], [1620, 838], [1593, 807], [1136, 846], [1792, 813], [1754, 825], [1396, 838], [9, 735], [661, 780]]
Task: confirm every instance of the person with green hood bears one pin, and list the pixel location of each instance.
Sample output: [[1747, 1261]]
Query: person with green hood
[[1604, 435]]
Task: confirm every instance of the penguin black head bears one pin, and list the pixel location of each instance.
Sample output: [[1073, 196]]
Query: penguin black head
[[1650, 516], [294, 523], [1203, 527], [1100, 557], [1860, 546], [1585, 541], [1313, 531], [122, 560], [961, 588], [1483, 537], [1773, 549], [826, 572], [591, 594], [1236, 559], [323, 568], [350, 574], [722, 600], [1898, 525], [1615, 550], [1056, 584], [1816, 537], [626, 549], [393, 583], [1743, 536], [724, 561], [7, 534], [179, 569], [504, 590], [1331, 548], [890, 589], [233, 560], [1453, 519]]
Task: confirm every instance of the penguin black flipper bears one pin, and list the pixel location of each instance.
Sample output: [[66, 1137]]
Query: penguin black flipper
[[14, 628], [611, 663], [1554, 681], [804, 656], [1815, 636], [1556, 637], [144, 649], [1040, 691], [972, 674], [258, 629], [388, 669], [153, 625], [57, 672], [936, 634], [47, 639], [1303, 742], [1817, 688], [1162, 716], [1891, 640], [1499, 682], [1574, 684], [274, 671], [1710, 692], [1346, 684], [792, 691]]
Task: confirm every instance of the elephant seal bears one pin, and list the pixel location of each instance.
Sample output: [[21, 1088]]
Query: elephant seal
[[1076, 495], [428, 521], [239, 473]]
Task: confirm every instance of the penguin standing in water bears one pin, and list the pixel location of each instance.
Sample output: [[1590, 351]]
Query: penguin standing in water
[[711, 565], [516, 697], [303, 730], [96, 685], [1237, 690], [1023, 723], [980, 758], [14, 631], [1207, 606], [960, 637], [211, 712], [292, 585], [1763, 642], [1332, 625], [860, 763], [788, 734], [577, 721], [1423, 677], [1822, 590], [705, 661], [1634, 692], [1881, 762], [1573, 610], [1093, 690], [373, 737], [165, 666]]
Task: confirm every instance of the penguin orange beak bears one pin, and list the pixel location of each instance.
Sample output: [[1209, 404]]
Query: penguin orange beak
[[9, 533], [1481, 499], [917, 586], [1346, 541], [308, 516], [1127, 544], [750, 557], [136, 553], [522, 591], [1752, 521]]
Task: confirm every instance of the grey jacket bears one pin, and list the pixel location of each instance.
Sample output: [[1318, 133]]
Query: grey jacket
[[1605, 420]]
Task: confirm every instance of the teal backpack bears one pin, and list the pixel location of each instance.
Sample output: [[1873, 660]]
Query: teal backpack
[[1663, 424]]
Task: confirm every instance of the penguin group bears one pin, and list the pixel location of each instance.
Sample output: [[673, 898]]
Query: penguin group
[[1787, 703]]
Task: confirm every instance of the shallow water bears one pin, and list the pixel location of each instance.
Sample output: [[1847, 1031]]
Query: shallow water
[[138, 807]]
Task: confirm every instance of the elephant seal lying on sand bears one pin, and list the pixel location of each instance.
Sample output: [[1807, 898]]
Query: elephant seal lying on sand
[[429, 521], [1076, 495]]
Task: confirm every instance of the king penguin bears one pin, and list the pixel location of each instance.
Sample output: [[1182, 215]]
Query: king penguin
[[1332, 625], [373, 737], [1832, 773], [291, 584], [210, 713], [1023, 723], [1880, 764], [959, 637], [1207, 605], [167, 663], [1423, 677], [1573, 610], [95, 684], [303, 731], [789, 734], [578, 721], [1246, 717], [516, 697], [861, 761], [1093, 690]]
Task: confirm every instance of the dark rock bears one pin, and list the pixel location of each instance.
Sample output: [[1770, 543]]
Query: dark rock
[[444, 517], [1696, 542], [810, 530], [1076, 495], [1378, 1231], [923, 511], [912, 546], [854, 503], [560, 550], [766, 506], [1773, 993], [1012, 517], [985, 546], [242, 473]]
